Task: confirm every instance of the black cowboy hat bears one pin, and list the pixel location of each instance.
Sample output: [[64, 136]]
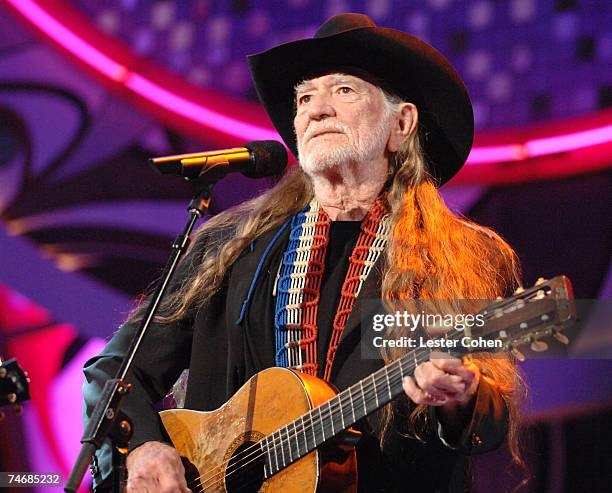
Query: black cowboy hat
[[397, 61]]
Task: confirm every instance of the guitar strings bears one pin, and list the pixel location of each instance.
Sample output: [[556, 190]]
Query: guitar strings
[[334, 410], [307, 426], [216, 480]]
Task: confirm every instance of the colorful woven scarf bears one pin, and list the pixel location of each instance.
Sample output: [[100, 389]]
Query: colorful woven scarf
[[298, 284]]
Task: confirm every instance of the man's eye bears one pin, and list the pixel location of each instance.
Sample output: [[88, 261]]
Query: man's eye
[[304, 99], [345, 90]]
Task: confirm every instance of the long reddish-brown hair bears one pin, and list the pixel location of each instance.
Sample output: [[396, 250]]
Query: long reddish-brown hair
[[438, 256]]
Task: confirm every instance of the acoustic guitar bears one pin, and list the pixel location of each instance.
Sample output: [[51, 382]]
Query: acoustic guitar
[[285, 431]]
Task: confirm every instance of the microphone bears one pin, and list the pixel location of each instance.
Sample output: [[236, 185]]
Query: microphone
[[256, 159]]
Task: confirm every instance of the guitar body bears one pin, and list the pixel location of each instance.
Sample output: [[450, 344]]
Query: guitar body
[[212, 441]]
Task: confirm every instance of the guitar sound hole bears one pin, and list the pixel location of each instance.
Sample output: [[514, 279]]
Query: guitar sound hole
[[245, 469]]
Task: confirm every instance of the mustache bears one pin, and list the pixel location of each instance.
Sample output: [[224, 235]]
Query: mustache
[[320, 129]]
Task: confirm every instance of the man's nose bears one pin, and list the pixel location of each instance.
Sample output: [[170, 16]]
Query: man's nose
[[320, 107]]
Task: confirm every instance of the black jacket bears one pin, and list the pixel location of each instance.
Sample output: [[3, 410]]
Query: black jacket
[[233, 338]]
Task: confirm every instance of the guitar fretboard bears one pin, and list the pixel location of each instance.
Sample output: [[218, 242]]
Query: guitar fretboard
[[306, 433]]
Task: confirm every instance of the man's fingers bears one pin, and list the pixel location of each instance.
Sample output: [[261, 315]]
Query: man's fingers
[[173, 483], [419, 396], [445, 384], [431, 379], [413, 391], [445, 362], [157, 482], [454, 366], [172, 475], [155, 467], [140, 485]]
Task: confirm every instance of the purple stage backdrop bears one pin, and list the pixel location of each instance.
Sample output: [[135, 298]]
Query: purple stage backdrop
[[86, 225]]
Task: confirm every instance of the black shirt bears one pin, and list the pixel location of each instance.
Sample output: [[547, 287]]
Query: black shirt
[[342, 239]]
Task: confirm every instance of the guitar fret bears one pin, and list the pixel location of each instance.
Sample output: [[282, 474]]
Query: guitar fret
[[350, 393], [297, 438], [363, 397], [314, 436], [275, 451], [399, 376], [289, 445], [304, 435], [322, 423], [267, 457], [280, 434], [341, 410], [331, 417], [388, 384], [375, 391]]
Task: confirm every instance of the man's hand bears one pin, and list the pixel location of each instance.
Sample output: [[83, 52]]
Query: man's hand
[[155, 467], [443, 381]]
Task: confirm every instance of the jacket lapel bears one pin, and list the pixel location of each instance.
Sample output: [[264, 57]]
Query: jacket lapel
[[247, 271]]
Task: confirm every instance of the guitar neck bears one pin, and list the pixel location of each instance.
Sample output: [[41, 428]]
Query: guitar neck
[[311, 430]]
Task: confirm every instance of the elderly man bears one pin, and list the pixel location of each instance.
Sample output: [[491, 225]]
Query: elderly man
[[378, 119]]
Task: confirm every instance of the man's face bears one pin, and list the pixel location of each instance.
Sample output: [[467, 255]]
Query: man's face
[[340, 119]]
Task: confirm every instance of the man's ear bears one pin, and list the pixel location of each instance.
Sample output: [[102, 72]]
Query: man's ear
[[404, 125]]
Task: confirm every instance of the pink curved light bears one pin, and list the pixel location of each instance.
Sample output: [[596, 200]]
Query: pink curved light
[[193, 111], [134, 81], [69, 40], [541, 147], [496, 154], [569, 142]]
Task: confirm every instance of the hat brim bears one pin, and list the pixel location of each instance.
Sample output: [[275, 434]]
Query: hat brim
[[412, 69]]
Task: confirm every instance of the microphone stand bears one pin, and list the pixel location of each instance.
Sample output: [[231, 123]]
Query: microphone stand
[[107, 419]]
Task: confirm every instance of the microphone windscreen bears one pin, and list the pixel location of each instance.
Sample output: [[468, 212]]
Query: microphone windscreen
[[269, 156]]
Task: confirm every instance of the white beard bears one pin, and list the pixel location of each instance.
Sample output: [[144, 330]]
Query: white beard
[[371, 145]]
